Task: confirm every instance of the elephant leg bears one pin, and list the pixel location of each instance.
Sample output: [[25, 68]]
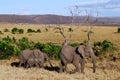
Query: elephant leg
[[94, 67], [61, 64], [27, 66], [66, 68], [76, 64], [20, 64], [36, 64], [82, 62]]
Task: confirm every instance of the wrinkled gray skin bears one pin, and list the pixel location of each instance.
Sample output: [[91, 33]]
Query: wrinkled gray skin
[[86, 51], [75, 56], [68, 55], [33, 57], [25, 55], [34, 62], [38, 59]]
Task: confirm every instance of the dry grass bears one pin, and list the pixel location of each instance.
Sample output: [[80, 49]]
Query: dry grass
[[106, 70], [100, 33]]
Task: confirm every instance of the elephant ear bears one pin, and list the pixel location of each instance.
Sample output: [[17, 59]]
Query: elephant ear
[[80, 51]]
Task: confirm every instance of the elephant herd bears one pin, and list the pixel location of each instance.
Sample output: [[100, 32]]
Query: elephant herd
[[68, 54]]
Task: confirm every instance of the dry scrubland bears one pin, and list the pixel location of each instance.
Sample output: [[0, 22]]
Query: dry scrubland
[[106, 70]]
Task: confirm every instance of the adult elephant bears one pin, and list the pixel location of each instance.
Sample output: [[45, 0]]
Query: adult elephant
[[68, 55], [73, 55], [29, 58], [85, 50]]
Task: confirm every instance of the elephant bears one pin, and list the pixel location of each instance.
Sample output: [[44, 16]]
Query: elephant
[[33, 57], [38, 59], [34, 62], [76, 55], [68, 55], [25, 55], [85, 50]]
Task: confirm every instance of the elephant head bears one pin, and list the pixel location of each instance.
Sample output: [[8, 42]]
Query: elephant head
[[84, 50]]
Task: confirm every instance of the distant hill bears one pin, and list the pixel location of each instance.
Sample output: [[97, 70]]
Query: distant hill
[[57, 19]]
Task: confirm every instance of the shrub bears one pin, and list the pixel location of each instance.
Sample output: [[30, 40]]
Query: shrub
[[74, 44], [38, 30], [103, 47], [50, 49], [30, 30], [118, 30], [1, 32], [6, 30], [14, 30], [7, 39], [14, 40], [6, 49], [20, 31], [17, 51], [24, 43], [38, 45], [70, 30], [46, 29]]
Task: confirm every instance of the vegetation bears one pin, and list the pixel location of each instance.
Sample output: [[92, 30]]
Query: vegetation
[[31, 31], [118, 30], [103, 40], [1, 32], [9, 47], [103, 47], [6, 30], [103, 43], [70, 30], [38, 30], [16, 30]]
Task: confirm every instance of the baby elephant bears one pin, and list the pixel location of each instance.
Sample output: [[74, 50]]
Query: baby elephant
[[34, 62], [35, 59], [31, 58]]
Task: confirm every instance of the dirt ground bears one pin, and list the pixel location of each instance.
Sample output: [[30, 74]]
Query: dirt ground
[[106, 70]]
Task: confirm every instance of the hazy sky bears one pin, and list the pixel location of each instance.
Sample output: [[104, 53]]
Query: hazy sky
[[105, 7]]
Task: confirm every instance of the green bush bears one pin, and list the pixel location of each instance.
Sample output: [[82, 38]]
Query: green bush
[[38, 30], [103, 47], [46, 29], [7, 39], [1, 32], [30, 30], [118, 30], [23, 43], [6, 30], [14, 30], [17, 51], [74, 44], [70, 30], [6, 49], [21, 31], [50, 49]]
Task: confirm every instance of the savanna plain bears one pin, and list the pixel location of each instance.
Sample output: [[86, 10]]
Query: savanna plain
[[106, 68]]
